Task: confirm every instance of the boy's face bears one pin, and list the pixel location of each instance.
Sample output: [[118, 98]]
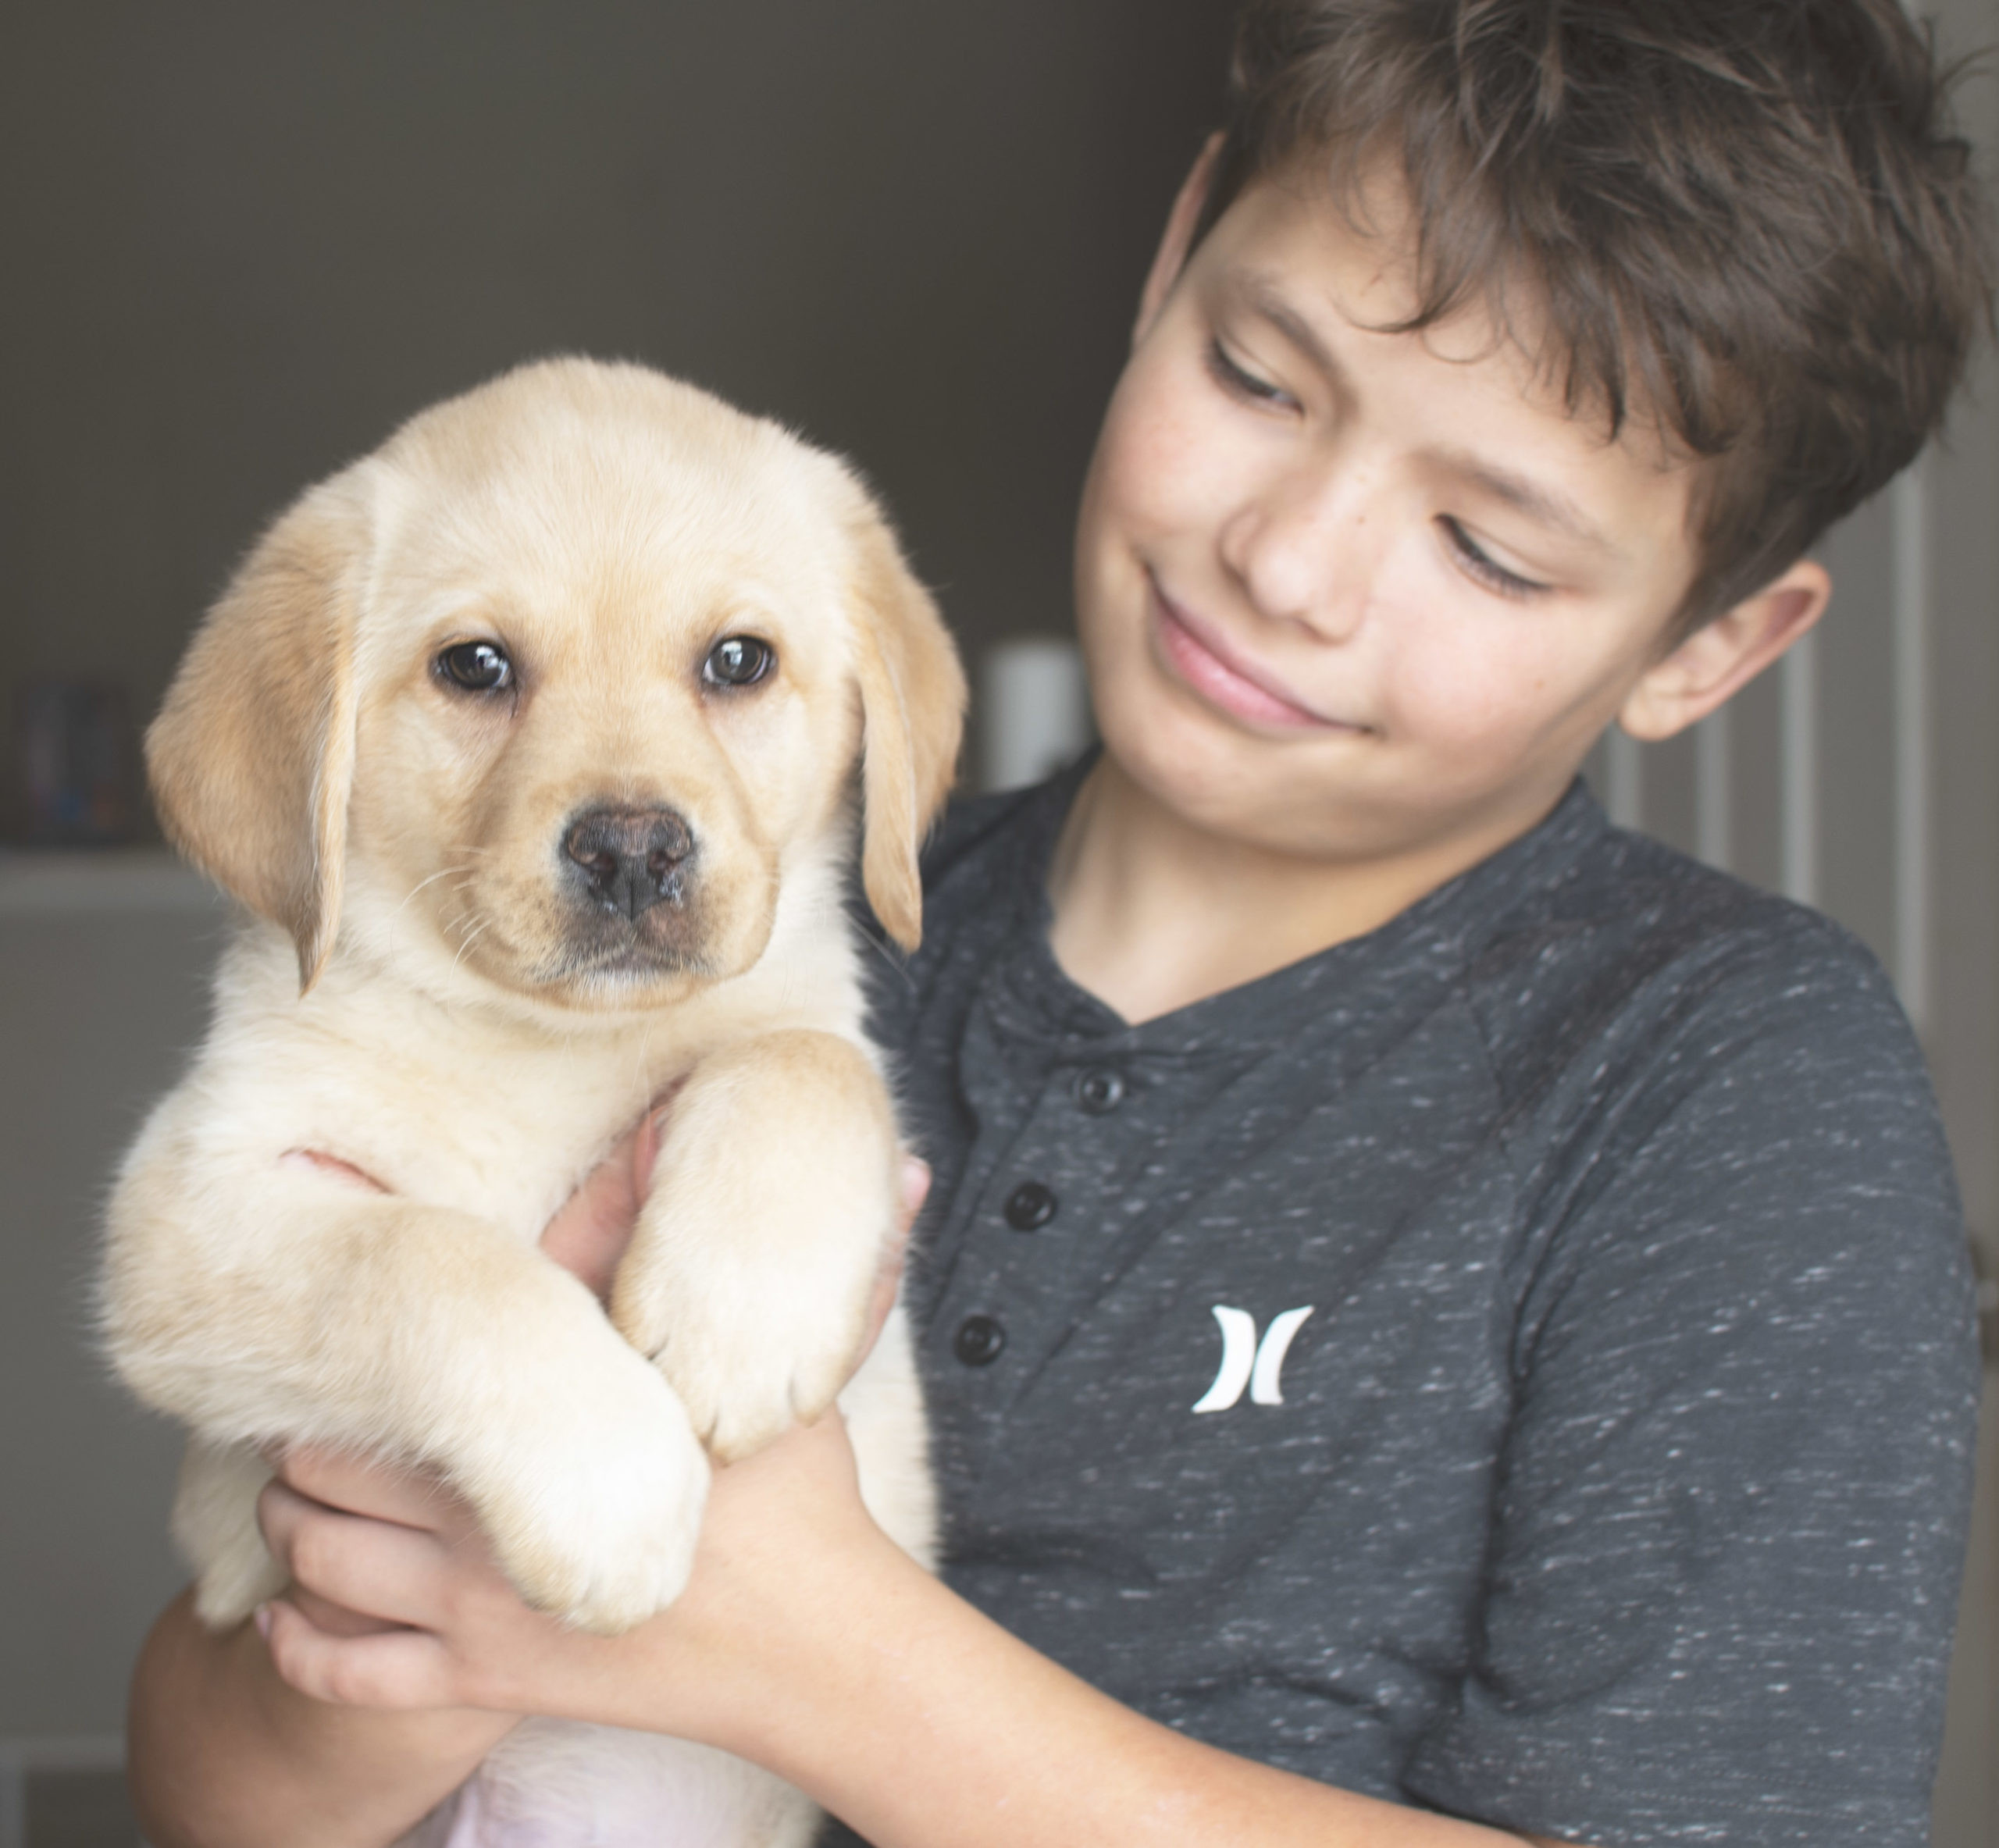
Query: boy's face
[[1347, 593]]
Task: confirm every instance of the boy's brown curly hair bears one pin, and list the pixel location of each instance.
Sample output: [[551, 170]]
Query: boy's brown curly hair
[[1750, 223]]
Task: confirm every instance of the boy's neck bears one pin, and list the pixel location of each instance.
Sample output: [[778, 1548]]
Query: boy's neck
[[1152, 913]]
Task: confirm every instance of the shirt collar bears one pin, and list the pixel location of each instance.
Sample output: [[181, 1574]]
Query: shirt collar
[[1433, 941]]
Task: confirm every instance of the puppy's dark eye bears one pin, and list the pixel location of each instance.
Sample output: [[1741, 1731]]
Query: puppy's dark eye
[[738, 661], [478, 667]]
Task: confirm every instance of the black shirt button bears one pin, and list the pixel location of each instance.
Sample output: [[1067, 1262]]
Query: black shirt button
[[1029, 1207], [1100, 1092], [978, 1340]]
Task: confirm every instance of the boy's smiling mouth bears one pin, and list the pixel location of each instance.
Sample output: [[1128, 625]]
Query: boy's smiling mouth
[[1195, 655]]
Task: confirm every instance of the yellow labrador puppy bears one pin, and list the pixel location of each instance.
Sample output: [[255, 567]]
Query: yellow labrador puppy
[[532, 744]]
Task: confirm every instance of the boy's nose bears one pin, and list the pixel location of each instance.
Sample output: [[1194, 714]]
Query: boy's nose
[[1304, 552]]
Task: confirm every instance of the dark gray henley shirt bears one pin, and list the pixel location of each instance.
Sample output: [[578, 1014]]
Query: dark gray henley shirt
[[1518, 1362]]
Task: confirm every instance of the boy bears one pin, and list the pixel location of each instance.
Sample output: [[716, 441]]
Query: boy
[[1448, 1320]]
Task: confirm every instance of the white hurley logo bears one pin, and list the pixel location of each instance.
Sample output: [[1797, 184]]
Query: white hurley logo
[[1247, 1361]]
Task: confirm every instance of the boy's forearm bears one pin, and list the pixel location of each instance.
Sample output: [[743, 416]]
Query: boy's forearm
[[224, 1754], [924, 1725]]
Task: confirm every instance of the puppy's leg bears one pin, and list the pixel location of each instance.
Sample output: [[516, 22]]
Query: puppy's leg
[[286, 1306], [755, 1263], [215, 1525]]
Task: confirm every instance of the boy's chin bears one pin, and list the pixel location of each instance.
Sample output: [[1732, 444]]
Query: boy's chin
[[1243, 791]]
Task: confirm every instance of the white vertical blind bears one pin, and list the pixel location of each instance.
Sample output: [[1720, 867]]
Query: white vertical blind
[[1714, 776], [1799, 788], [1624, 775], [1909, 504]]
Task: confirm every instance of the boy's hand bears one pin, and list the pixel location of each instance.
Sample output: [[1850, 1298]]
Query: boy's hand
[[395, 1601], [588, 1235], [397, 1604]]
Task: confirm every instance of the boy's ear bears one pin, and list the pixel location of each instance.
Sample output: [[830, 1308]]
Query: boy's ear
[[1171, 256], [1718, 659]]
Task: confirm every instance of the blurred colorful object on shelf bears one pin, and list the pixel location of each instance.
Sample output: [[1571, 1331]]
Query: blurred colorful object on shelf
[[77, 756]]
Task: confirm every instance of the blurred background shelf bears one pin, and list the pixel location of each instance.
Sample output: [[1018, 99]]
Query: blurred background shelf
[[55, 882]]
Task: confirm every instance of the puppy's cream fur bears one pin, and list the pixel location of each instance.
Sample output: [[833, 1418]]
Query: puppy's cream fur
[[427, 989]]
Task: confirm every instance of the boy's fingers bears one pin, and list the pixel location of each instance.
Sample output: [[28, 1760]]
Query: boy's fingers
[[916, 1190], [398, 1669], [336, 1620], [589, 1234], [362, 1485], [372, 1570]]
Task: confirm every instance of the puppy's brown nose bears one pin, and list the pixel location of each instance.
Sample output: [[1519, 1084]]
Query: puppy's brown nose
[[628, 859]]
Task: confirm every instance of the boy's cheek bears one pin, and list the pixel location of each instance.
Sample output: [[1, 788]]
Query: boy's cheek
[[1480, 716], [1164, 468]]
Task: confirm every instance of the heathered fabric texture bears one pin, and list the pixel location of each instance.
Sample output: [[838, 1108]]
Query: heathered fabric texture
[[1615, 1482]]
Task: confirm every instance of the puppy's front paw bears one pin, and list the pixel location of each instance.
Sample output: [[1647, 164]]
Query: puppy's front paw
[[747, 1362], [594, 1515], [756, 1255]]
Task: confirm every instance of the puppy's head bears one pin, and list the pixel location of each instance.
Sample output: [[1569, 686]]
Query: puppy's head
[[564, 678]]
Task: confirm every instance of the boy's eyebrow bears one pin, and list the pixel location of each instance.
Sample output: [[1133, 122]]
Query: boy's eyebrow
[[1544, 505]]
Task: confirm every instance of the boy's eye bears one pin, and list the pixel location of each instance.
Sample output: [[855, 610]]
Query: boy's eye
[[1488, 571], [1239, 382]]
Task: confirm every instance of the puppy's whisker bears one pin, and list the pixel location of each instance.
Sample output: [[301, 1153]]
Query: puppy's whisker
[[442, 873], [472, 936]]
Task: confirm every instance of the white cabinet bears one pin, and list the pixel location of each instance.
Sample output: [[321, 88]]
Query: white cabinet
[[103, 968]]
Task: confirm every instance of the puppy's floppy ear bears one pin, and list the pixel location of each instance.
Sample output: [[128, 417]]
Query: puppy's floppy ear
[[251, 757], [913, 707]]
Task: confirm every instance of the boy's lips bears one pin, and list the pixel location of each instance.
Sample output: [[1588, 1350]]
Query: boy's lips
[[1203, 660]]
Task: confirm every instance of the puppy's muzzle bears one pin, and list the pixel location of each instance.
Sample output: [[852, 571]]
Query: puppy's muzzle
[[626, 861]]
